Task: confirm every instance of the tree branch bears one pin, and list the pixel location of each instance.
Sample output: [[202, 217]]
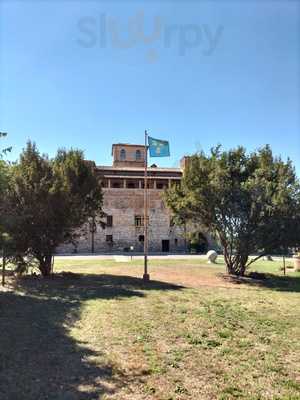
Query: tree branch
[[255, 259]]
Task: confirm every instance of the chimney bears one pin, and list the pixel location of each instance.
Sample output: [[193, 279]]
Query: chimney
[[184, 162]]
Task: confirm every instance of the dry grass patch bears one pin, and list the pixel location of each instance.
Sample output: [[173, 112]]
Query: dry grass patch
[[104, 334]]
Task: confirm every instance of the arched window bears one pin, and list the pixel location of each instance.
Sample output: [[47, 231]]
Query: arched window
[[123, 154], [138, 155]]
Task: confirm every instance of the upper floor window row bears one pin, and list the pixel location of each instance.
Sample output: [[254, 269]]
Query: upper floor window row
[[118, 183], [137, 155]]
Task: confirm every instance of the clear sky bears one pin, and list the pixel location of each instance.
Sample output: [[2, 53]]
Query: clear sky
[[87, 74]]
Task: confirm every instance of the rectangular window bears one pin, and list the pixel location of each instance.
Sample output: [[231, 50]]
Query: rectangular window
[[109, 221], [132, 184], [116, 184], [109, 238], [138, 220]]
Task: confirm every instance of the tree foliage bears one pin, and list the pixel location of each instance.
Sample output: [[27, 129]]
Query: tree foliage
[[49, 200], [4, 183], [251, 202], [5, 150]]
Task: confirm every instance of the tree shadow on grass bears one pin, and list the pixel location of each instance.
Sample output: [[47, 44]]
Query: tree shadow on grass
[[38, 357], [79, 286], [269, 281]]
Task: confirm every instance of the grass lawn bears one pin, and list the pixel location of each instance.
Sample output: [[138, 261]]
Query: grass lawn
[[100, 333]]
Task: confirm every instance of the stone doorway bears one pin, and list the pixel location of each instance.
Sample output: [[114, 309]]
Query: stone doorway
[[165, 246]]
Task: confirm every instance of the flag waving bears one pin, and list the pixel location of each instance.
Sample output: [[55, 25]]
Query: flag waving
[[158, 148]]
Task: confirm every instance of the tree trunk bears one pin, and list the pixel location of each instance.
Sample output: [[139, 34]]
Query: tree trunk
[[237, 266], [45, 265], [185, 238], [93, 243], [3, 268]]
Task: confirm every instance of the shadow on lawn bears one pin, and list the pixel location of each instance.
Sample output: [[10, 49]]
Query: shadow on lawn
[[269, 281], [38, 358]]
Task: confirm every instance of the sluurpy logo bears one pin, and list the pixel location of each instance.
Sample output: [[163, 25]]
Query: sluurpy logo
[[104, 31]]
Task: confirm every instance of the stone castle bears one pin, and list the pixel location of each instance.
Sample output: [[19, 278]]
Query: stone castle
[[123, 204]]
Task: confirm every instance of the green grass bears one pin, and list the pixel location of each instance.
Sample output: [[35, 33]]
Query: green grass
[[99, 332]]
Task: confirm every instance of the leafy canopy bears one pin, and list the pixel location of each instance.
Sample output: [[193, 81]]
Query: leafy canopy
[[249, 201], [5, 150], [49, 200]]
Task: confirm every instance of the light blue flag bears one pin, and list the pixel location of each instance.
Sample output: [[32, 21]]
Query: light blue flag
[[158, 148]]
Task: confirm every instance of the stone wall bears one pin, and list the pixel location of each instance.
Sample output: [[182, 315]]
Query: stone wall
[[124, 205]]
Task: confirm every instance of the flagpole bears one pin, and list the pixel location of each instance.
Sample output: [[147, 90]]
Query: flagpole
[[146, 276]]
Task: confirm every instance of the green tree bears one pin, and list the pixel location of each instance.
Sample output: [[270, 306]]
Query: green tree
[[49, 200], [4, 150], [250, 202], [4, 183], [4, 180]]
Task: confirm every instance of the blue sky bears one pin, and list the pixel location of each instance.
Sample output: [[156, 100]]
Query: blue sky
[[72, 75]]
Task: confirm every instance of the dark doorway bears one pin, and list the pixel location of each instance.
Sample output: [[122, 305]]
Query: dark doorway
[[165, 245]]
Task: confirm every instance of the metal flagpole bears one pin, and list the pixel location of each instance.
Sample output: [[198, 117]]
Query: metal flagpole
[[146, 276]]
